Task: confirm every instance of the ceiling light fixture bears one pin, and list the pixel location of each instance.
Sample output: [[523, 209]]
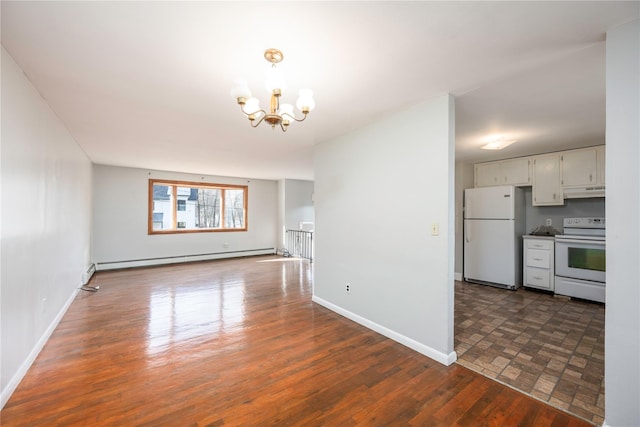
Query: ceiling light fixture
[[281, 115], [498, 143]]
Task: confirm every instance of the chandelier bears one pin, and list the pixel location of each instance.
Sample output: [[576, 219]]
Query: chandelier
[[278, 114]]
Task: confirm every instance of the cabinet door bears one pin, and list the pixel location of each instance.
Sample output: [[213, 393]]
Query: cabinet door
[[600, 153], [547, 187], [516, 171], [579, 167], [538, 258], [486, 174], [539, 244], [538, 278]]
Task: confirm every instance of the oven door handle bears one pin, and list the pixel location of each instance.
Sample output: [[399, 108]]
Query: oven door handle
[[584, 242]]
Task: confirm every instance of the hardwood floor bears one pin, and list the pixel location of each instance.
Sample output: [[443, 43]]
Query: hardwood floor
[[239, 342]]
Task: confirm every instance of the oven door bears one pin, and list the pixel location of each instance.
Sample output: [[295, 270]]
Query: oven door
[[580, 258]]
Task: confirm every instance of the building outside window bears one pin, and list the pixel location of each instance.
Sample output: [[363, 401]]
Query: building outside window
[[177, 206]]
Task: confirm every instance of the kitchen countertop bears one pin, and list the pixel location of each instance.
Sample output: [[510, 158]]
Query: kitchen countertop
[[530, 236]]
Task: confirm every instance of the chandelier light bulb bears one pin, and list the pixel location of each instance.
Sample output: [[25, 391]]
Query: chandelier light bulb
[[240, 89], [305, 100], [252, 106]]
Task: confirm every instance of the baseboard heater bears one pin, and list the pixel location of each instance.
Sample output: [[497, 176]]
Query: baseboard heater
[[88, 274], [144, 262]]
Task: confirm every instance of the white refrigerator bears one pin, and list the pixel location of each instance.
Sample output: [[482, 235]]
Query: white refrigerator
[[493, 228]]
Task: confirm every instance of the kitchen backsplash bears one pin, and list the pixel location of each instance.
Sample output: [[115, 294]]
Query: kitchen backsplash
[[537, 215]]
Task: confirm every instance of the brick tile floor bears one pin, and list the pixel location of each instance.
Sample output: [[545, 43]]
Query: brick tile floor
[[549, 347]]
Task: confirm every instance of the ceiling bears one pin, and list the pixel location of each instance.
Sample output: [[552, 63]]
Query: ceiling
[[146, 84]]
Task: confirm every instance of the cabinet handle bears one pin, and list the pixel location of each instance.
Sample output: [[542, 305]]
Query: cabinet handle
[[537, 259], [590, 178], [537, 277], [554, 196]]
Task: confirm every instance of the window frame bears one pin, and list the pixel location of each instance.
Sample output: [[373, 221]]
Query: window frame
[[190, 184]]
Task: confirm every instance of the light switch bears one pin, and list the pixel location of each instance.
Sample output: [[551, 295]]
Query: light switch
[[435, 229]]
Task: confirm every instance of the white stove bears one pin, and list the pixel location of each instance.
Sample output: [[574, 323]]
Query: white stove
[[581, 259], [583, 229]]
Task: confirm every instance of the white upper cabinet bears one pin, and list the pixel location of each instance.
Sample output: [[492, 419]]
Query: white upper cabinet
[[487, 174], [580, 167], [581, 172], [504, 172], [516, 171], [547, 182], [601, 161]]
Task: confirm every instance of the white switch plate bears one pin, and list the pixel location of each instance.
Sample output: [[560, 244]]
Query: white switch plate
[[549, 221], [435, 229]]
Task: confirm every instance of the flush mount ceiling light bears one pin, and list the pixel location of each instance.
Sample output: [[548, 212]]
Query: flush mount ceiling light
[[498, 143], [278, 114]]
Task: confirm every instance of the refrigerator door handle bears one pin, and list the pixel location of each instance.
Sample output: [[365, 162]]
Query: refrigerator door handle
[[467, 233]]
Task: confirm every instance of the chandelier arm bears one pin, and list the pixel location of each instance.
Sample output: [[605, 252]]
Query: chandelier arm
[[294, 118], [255, 112], [260, 120]]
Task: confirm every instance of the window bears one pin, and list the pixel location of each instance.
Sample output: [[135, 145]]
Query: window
[[187, 207]]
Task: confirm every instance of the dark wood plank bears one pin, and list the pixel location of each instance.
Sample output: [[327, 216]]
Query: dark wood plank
[[239, 342]]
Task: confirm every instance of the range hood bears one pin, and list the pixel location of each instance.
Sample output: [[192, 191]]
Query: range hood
[[583, 192]]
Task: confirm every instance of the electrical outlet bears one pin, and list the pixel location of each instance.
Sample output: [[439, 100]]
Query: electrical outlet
[[348, 288], [435, 229], [42, 306], [549, 221]]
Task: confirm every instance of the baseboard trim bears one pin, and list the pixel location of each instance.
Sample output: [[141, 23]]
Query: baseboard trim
[[457, 276], [147, 262], [24, 368], [445, 359]]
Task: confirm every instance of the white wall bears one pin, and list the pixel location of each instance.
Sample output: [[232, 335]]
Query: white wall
[[622, 326], [120, 212], [298, 204], [377, 192], [295, 205], [281, 209], [537, 215], [46, 223]]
